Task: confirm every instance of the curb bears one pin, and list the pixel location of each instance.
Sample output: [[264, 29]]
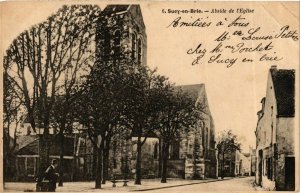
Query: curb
[[172, 186]]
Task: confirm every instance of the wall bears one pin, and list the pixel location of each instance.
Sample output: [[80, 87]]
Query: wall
[[149, 162], [275, 139], [285, 135], [285, 145]]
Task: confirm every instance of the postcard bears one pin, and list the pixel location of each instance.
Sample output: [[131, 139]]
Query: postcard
[[149, 96]]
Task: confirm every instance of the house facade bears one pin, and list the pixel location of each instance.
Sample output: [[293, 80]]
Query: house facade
[[242, 164], [77, 159], [275, 153]]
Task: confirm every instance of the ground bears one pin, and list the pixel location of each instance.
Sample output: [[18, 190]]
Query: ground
[[173, 185]]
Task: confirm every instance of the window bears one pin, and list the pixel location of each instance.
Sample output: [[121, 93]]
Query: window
[[271, 111], [206, 141], [155, 151], [106, 45], [133, 43], [115, 147], [114, 163], [175, 150], [269, 168], [117, 44], [139, 51], [30, 166]]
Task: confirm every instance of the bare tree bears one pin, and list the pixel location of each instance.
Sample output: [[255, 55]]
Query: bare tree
[[40, 56], [12, 106]]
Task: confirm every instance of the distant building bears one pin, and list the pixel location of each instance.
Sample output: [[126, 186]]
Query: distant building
[[242, 164], [226, 165], [235, 164], [275, 150]]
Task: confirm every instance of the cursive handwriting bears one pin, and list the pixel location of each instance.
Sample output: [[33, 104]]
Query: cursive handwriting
[[284, 32], [241, 48], [199, 22], [199, 52], [238, 41]]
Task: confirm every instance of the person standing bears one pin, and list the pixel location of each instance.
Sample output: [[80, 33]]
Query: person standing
[[51, 175]]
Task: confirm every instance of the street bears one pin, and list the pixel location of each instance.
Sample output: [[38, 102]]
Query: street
[[235, 184], [173, 185]]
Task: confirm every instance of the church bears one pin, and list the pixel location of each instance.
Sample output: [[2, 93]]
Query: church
[[122, 29]]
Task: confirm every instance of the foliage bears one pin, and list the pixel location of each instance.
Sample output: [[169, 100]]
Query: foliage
[[180, 113], [227, 142]]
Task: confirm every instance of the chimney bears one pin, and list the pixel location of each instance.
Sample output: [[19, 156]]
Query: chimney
[[274, 67]]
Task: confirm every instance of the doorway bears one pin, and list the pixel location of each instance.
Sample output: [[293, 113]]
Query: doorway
[[290, 173]]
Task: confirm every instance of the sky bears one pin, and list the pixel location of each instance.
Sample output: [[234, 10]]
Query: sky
[[233, 93]]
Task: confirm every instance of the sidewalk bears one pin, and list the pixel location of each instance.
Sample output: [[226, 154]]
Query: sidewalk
[[147, 184]]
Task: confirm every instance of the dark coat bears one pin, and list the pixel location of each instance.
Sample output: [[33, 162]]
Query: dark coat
[[52, 176]]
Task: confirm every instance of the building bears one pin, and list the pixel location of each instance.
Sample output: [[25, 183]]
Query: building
[[275, 151], [192, 155], [235, 163], [122, 38], [197, 147], [242, 164], [226, 164], [77, 157], [121, 35]]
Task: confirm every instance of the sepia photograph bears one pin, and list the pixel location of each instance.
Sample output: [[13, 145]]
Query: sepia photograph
[[149, 96]]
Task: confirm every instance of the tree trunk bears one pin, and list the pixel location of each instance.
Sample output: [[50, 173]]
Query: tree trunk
[[61, 168], [95, 153], [160, 159], [99, 165], [222, 166], [6, 145], [138, 175], [44, 154], [165, 162], [105, 161]]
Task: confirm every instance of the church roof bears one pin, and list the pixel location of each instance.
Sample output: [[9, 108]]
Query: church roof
[[198, 93], [114, 9], [193, 89], [284, 88]]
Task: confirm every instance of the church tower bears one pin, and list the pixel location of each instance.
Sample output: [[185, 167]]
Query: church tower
[[121, 34]]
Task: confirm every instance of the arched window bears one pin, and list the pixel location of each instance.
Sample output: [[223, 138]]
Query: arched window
[[155, 151], [139, 51], [117, 44], [133, 43], [106, 45]]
